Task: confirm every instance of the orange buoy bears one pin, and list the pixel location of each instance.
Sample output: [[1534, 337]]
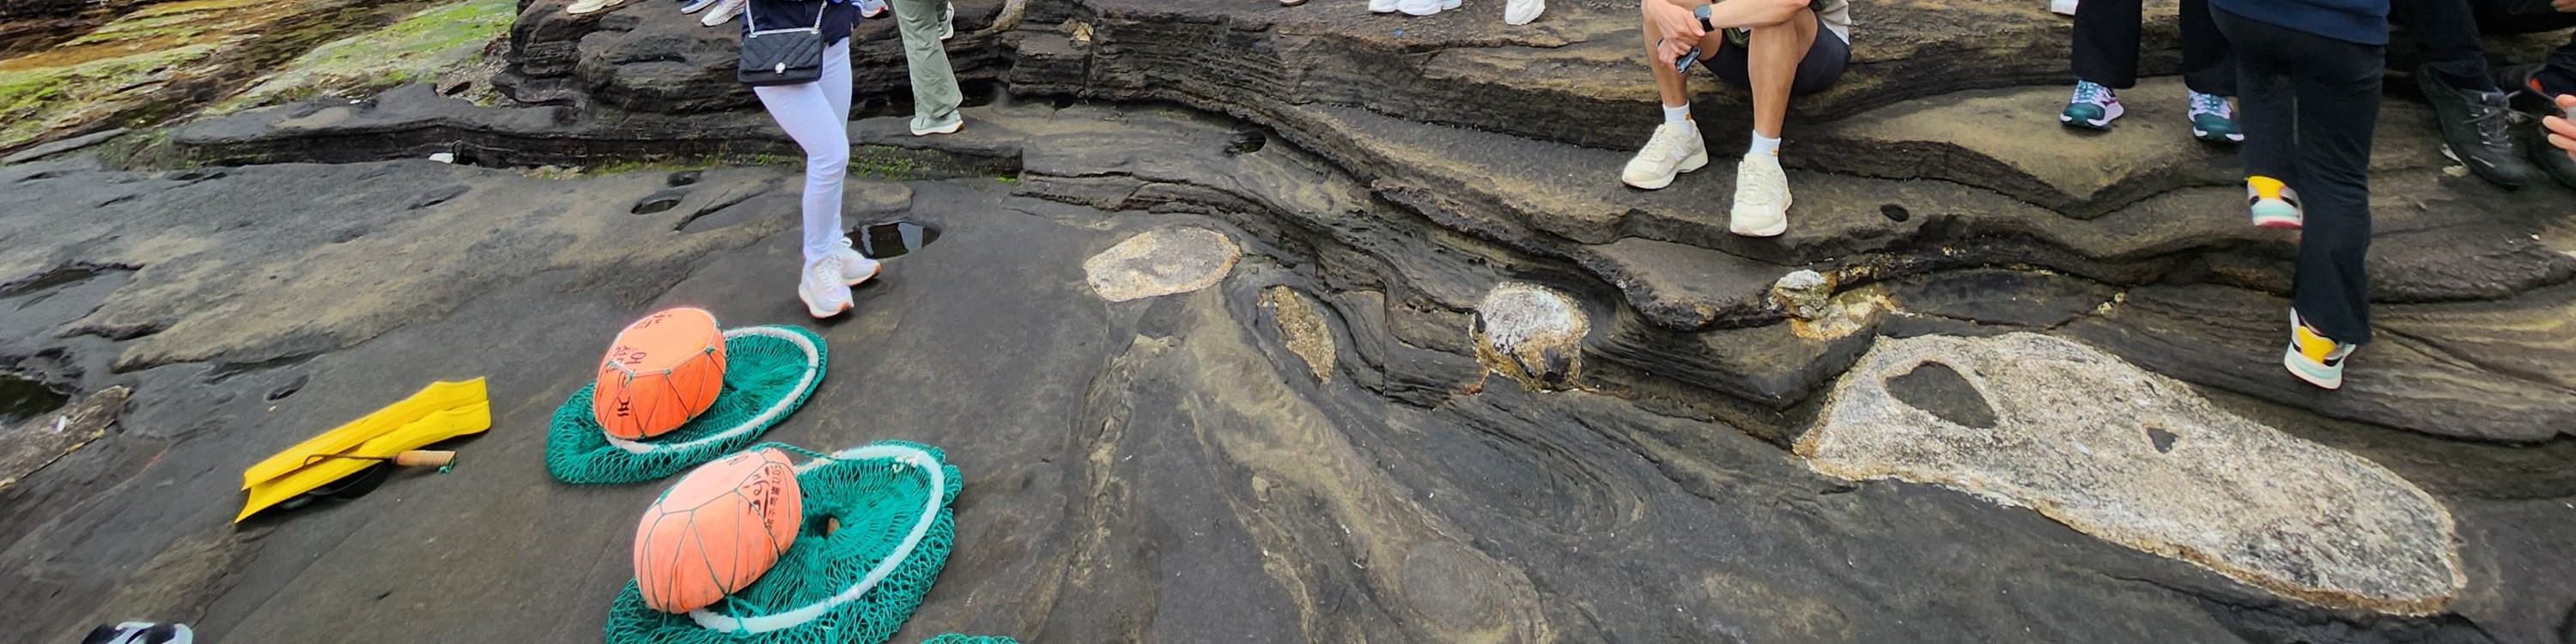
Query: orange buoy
[[717, 530], [662, 371]]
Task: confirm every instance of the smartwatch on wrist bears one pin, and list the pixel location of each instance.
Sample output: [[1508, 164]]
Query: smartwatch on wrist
[[1702, 12]]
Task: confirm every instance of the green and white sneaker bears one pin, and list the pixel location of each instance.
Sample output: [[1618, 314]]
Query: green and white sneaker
[[2213, 120], [2092, 108]]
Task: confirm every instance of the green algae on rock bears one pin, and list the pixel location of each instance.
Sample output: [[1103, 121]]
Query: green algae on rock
[[161, 60], [422, 47]]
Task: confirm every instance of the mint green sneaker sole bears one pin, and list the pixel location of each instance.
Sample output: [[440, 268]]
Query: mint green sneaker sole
[[2273, 214], [2315, 374]]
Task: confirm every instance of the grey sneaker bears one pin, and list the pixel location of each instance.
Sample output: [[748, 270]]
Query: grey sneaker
[[2476, 131]]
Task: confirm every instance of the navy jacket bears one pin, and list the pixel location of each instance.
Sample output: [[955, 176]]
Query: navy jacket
[[790, 14], [2357, 21]]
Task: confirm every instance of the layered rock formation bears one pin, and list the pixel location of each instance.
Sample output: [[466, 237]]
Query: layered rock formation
[[1404, 173], [648, 57]]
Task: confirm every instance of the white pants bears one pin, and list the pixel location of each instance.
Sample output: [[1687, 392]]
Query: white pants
[[817, 115]]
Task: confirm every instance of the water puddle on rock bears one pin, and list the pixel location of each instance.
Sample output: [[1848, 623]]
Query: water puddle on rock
[[22, 398], [892, 239], [658, 202]]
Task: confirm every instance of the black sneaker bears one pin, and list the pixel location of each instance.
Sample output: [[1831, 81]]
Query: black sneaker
[[2551, 160], [2476, 131]]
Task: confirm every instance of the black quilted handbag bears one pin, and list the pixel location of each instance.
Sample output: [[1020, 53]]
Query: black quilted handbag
[[782, 56]]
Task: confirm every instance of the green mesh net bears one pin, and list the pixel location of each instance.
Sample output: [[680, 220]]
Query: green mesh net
[[769, 370], [857, 584]]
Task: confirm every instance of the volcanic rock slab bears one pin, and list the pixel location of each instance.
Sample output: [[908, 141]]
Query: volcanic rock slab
[[2009, 141], [35, 443], [2139, 459], [1440, 205], [643, 56], [2479, 371], [1161, 262], [1576, 75], [1531, 334]]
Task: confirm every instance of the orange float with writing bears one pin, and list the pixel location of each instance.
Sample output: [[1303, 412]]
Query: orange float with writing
[[662, 371], [717, 530]]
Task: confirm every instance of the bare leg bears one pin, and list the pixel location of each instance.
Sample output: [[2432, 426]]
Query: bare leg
[[1669, 82], [1771, 61]]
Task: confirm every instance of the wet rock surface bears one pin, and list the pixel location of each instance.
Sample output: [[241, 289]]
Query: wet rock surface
[[1291, 443], [2446, 239], [1091, 446]]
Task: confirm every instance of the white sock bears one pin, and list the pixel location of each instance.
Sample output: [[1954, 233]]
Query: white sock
[[1763, 145], [1677, 115]]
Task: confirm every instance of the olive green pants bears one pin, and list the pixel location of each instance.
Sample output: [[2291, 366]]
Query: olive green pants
[[935, 96]]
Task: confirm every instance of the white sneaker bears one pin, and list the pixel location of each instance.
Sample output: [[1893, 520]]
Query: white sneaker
[[1761, 198], [855, 268], [871, 8], [1418, 7], [947, 21], [1521, 12], [1446, 5], [951, 128], [580, 7], [1675, 149], [821, 288], [695, 6], [2062, 7], [1381, 6], [723, 12]]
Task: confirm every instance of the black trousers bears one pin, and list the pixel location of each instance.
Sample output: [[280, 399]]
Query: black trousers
[[2307, 104], [2106, 46], [2449, 33]]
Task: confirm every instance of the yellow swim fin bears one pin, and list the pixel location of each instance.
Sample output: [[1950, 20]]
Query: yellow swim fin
[[439, 412]]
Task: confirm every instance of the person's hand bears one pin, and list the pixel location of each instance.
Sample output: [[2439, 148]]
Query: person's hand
[[1676, 29], [2561, 132], [2563, 6]]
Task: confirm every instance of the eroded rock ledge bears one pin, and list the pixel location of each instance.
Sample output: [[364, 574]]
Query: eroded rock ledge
[[1417, 199]]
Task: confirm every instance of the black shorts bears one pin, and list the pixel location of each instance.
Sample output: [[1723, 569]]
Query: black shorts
[[2516, 8], [1818, 70]]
